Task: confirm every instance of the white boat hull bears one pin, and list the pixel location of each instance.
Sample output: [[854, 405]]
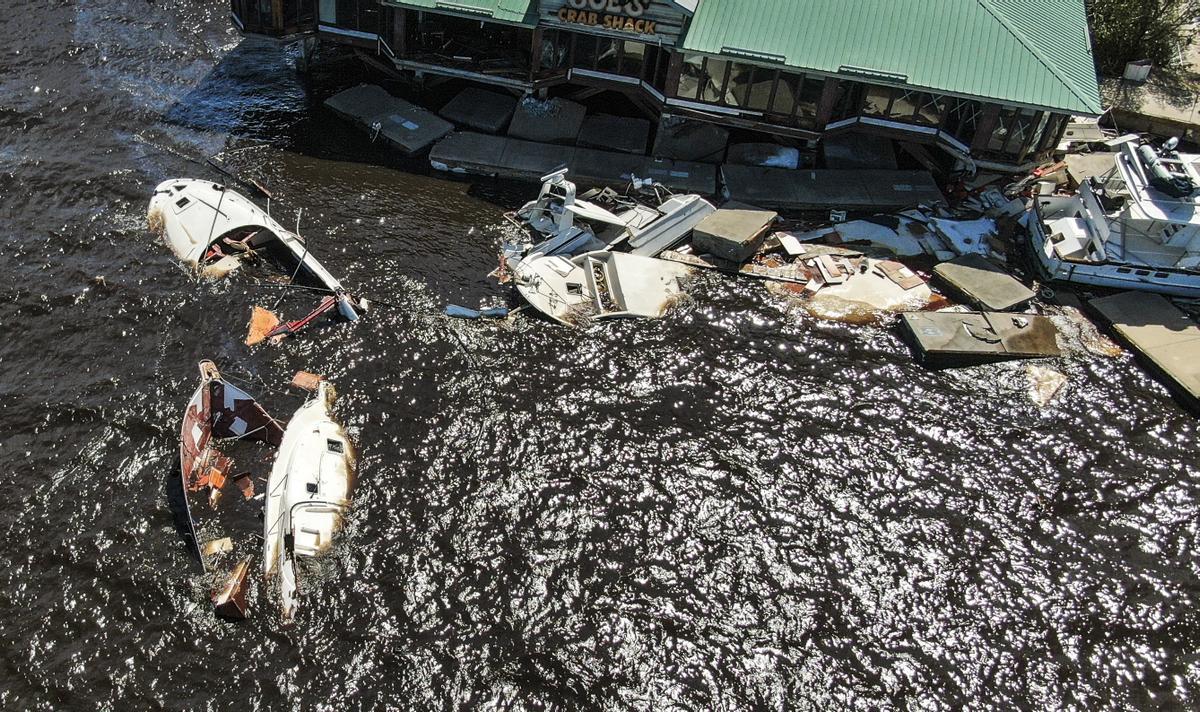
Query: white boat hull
[[308, 493], [1109, 274]]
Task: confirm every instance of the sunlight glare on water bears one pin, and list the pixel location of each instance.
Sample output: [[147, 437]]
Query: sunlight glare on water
[[735, 507]]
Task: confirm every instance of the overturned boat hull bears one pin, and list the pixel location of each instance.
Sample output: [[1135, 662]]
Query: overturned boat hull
[[215, 230]]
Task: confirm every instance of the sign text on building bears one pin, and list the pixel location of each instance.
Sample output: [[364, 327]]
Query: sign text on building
[[623, 15]]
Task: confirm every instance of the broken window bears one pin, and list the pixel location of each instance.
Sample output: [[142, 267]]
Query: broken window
[[633, 59], [785, 94], [691, 77], [703, 79], [759, 88], [608, 59], [930, 109], [877, 100], [469, 45], [849, 100], [1014, 129], [555, 51], [807, 102], [1053, 133], [962, 118], [740, 76], [904, 105], [587, 49], [712, 89]]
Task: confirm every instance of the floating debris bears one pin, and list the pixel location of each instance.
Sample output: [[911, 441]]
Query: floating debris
[[983, 283], [1044, 384], [306, 381], [230, 601], [457, 312]]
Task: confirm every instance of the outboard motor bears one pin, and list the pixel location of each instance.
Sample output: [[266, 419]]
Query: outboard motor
[[1176, 186]]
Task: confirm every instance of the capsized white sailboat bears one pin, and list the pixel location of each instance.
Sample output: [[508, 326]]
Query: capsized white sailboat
[[308, 492], [214, 230]]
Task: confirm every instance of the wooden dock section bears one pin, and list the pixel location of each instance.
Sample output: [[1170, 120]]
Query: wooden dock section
[[806, 189], [983, 283], [1162, 335], [949, 338], [507, 157]]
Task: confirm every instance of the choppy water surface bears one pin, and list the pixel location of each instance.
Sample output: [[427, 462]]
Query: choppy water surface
[[737, 507]]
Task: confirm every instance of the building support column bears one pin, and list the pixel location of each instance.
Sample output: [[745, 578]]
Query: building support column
[[987, 124], [535, 54], [674, 69], [828, 102]]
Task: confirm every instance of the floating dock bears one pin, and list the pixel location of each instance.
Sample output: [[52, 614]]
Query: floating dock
[[804, 189], [406, 126], [973, 337], [1161, 334], [506, 157], [983, 283]]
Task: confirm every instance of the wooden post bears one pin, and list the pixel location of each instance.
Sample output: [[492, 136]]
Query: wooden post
[[828, 102], [674, 69], [535, 55], [277, 19], [400, 27]]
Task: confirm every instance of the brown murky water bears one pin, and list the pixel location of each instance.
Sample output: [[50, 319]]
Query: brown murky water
[[737, 507]]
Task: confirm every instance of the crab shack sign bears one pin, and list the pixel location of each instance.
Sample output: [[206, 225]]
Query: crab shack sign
[[661, 19]]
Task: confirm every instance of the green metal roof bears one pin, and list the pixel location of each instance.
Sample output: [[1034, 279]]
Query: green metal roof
[[521, 12], [1030, 52]]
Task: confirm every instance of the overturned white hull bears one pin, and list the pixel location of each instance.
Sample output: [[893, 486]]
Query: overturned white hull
[[308, 493], [213, 230]]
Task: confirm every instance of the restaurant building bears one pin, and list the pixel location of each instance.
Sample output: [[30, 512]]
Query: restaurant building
[[993, 80]]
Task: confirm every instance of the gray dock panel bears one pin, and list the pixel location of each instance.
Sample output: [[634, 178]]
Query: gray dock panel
[[983, 283], [807, 189], [1160, 333], [547, 121], [615, 133], [976, 336], [402, 124], [483, 154], [480, 109]]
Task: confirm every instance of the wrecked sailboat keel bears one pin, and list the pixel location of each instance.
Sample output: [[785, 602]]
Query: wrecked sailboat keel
[[215, 231], [307, 494]]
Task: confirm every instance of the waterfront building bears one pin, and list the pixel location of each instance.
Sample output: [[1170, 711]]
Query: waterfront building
[[992, 80]]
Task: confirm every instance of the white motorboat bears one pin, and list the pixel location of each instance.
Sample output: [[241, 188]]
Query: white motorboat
[[599, 284], [1137, 227], [565, 224], [214, 230], [308, 493]]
